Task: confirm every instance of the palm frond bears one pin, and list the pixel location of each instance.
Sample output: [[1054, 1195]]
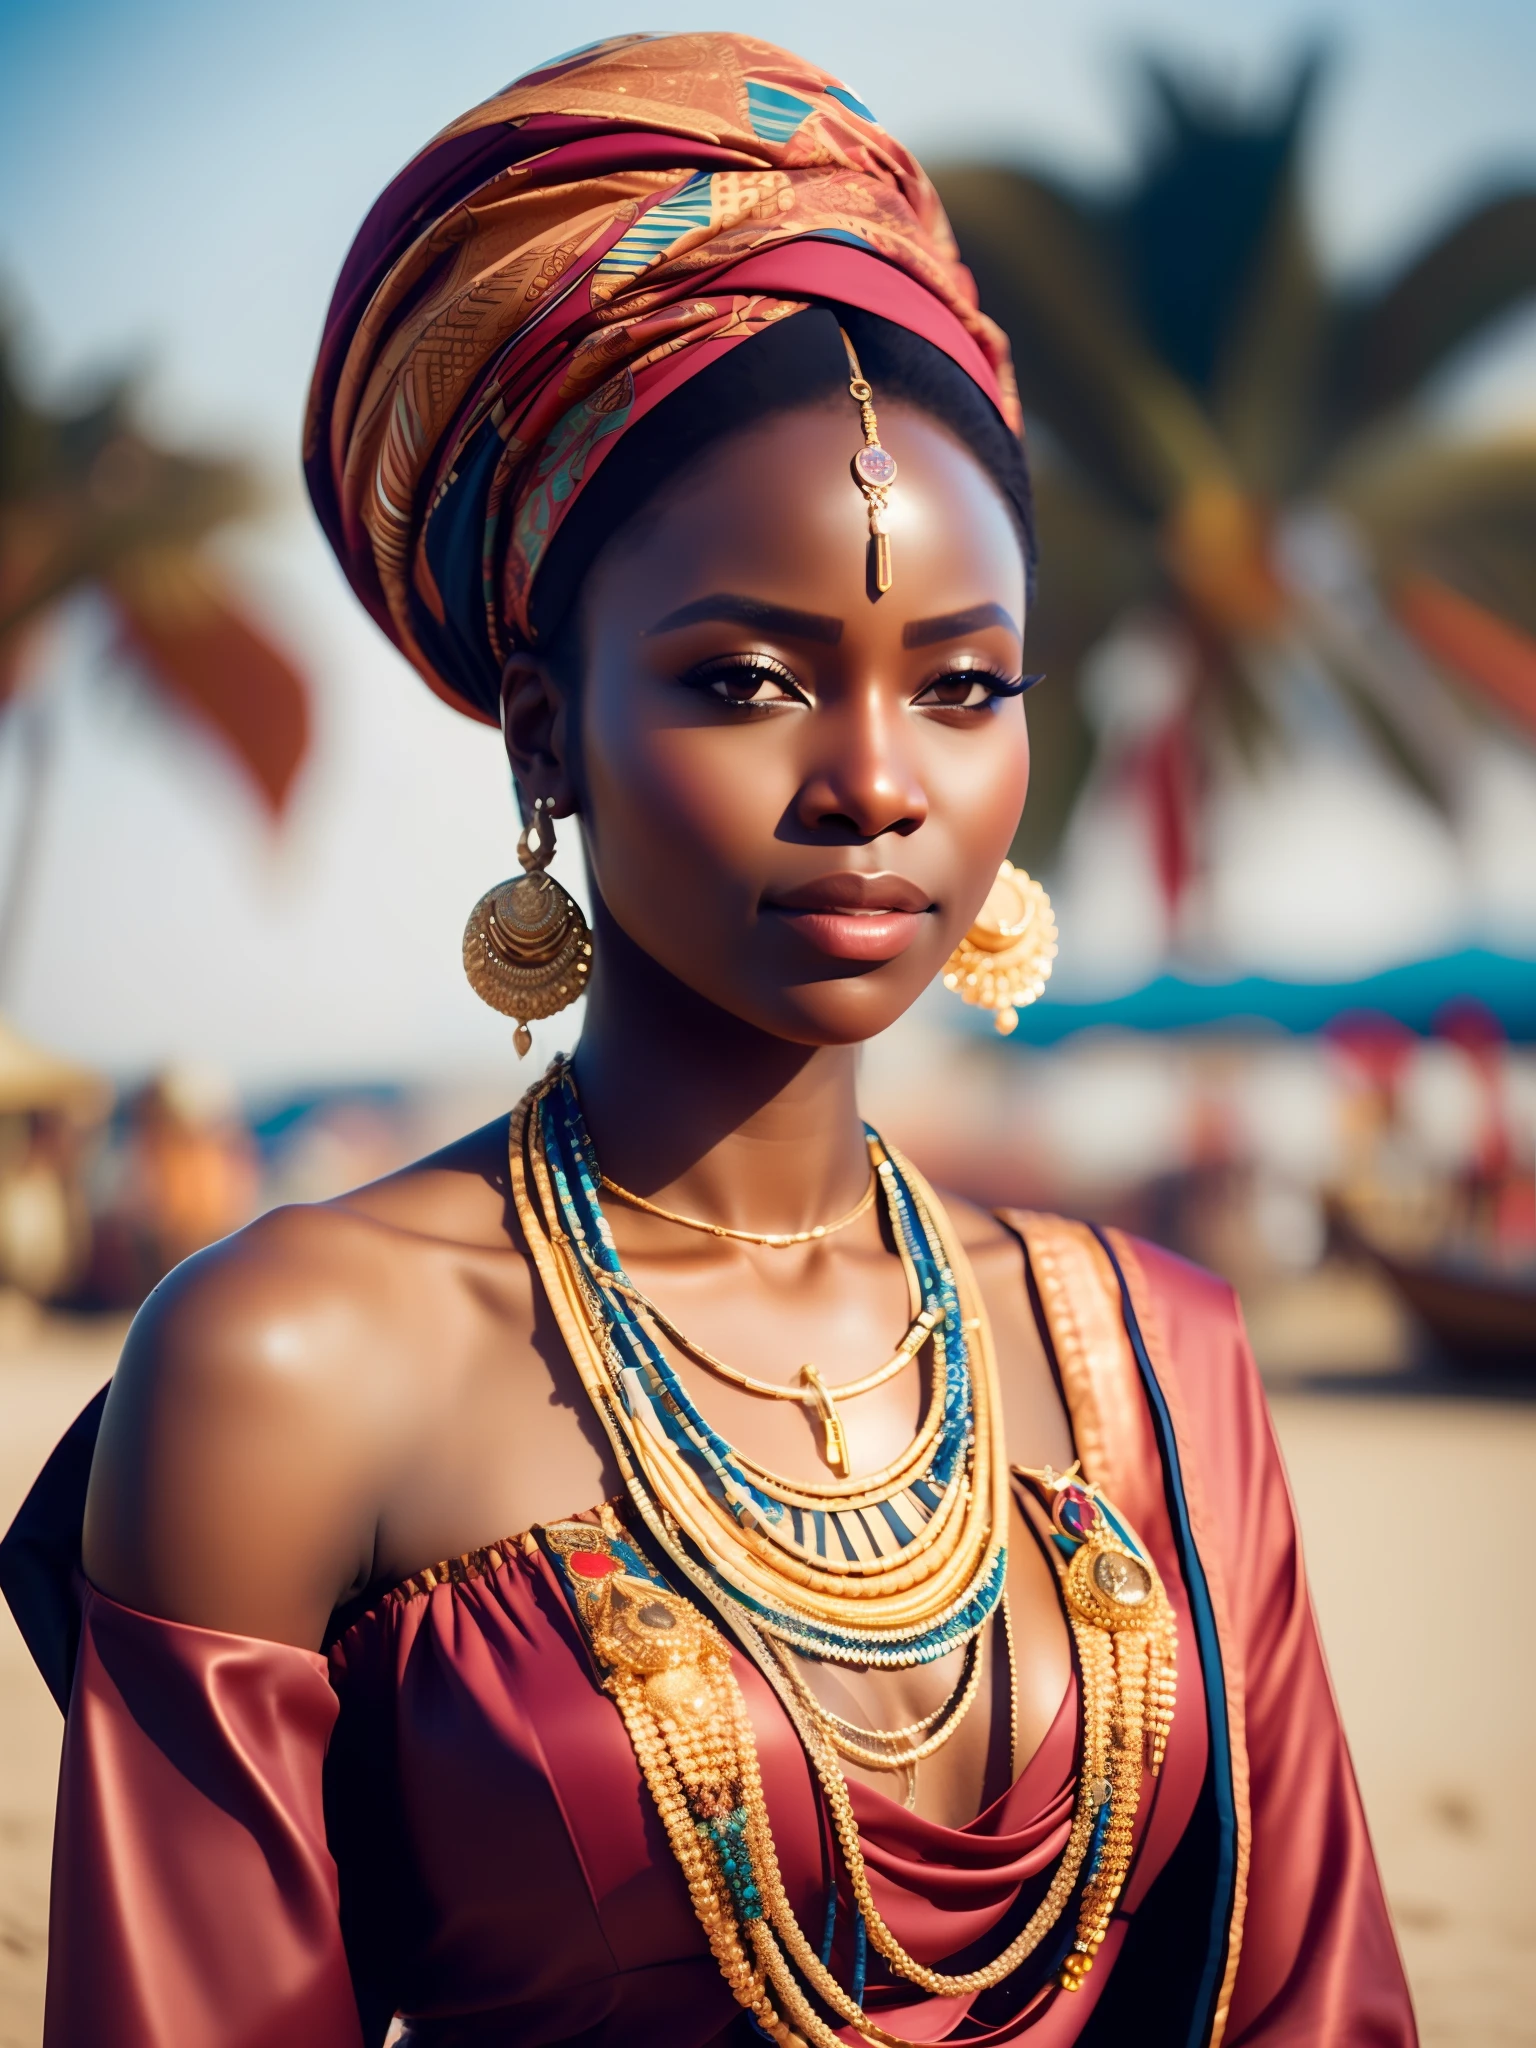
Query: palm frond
[[214, 663], [1095, 563], [1046, 272], [1463, 512], [1264, 396], [87, 499], [1496, 658], [1195, 227], [1386, 345]]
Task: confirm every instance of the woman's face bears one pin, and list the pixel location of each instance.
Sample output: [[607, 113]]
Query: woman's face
[[795, 798]]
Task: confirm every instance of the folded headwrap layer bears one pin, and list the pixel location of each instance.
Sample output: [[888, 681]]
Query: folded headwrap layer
[[555, 264]]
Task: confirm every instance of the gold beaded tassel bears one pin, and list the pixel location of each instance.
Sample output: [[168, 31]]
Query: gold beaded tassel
[[1113, 1591], [667, 1668]]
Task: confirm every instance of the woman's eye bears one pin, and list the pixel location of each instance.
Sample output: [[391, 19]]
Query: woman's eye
[[747, 681], [966, 689]]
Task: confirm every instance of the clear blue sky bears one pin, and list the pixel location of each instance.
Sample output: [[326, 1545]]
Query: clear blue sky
[[180, 182]]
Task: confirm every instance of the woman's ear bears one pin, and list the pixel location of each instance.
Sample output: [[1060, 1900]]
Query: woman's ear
[[535, 728]]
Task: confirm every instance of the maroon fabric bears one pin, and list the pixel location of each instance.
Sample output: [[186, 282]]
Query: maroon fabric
[[194, 1896], [554, 1910], [504, 1877], [1319, 1961]]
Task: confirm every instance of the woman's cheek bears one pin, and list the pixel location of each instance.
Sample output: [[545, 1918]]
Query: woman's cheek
[[698, 792]]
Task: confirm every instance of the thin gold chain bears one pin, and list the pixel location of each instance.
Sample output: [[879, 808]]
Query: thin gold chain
[[856, 1744], [776, 1240], [859, 1737], [918, 1332]]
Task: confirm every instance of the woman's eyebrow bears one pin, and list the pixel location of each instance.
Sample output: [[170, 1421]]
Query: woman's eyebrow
[[723, 607], [955, 625]]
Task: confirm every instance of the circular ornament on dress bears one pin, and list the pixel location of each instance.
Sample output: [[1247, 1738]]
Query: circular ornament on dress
[[643, 1629], [1110, 1588], [876, 467], [1125, 1580], [1075, 1513]]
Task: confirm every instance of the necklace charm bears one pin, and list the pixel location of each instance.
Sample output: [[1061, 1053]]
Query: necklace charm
[[819, 1400]]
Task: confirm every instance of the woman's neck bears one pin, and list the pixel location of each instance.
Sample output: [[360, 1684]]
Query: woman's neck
[[688, 1104]]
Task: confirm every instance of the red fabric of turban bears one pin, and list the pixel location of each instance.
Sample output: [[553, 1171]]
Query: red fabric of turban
[[553, 265]]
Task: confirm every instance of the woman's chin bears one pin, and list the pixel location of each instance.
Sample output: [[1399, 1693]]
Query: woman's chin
[[843, 1010]]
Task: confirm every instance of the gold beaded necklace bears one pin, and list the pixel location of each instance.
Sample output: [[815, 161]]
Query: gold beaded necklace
[[936, 1585]]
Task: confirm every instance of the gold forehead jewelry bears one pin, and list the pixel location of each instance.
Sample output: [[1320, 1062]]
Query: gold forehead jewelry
[[874, 469]]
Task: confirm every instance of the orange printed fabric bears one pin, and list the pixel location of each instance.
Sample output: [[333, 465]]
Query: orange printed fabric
[[550, 268]]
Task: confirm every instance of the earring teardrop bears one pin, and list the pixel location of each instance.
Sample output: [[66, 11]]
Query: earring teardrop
[[527, 946]]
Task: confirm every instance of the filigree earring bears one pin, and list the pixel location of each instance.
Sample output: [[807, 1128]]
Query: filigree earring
[[527, 947], [1004, 961]]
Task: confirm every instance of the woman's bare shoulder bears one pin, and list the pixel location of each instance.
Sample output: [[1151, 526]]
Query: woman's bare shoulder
[[271, 1385]]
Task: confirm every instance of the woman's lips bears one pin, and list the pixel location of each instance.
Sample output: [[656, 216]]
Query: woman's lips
[[854, 917], [852, 934]]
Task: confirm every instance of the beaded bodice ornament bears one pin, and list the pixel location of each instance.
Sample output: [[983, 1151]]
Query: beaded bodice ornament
[[668, 1671]]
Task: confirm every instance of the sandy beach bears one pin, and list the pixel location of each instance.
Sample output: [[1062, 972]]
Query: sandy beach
[[1417, 1511]]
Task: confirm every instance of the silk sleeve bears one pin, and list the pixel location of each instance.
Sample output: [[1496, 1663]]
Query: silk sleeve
[[194, 1896], [1318, 1965]]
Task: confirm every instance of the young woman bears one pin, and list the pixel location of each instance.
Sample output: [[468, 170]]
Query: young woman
[[859, 1616]]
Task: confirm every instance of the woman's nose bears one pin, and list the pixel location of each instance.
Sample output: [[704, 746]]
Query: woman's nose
[[863, 780]]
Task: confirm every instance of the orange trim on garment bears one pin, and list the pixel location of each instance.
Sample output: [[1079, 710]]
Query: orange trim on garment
[[1144, 1301], [1081, 1299]]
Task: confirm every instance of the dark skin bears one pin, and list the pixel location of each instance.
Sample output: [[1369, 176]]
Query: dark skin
[[794, 799]]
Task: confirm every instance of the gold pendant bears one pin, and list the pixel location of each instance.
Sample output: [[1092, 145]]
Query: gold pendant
[[835, 1447]]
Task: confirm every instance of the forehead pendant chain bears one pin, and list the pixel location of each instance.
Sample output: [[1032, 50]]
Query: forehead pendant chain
[[874, 469]]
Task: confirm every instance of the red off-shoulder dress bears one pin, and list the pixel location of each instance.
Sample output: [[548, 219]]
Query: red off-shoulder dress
[[439, 1824]]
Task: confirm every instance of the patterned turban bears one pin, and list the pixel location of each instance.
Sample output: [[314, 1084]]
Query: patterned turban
[[551, 268]]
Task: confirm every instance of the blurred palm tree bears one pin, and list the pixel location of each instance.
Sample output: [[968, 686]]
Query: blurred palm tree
[[88, 501], [1227, 454]]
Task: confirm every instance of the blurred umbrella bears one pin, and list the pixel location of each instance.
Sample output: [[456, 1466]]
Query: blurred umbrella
[[1225, 449]]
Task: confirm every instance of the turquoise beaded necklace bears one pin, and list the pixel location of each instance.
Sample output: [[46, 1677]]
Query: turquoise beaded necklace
[[882, 1526]]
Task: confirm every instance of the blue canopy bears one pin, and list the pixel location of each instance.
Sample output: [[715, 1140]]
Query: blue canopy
[[1414, 994]]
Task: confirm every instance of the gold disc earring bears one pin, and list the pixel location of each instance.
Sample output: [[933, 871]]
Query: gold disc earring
[[527, 947], [1004, 961]]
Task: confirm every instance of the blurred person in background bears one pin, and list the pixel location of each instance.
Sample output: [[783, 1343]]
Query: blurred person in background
[[184, 1172], [49, 1111], [961, 1683]]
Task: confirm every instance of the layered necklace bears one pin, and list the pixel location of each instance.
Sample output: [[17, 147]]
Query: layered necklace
[[885, 1570], [893, 1568]]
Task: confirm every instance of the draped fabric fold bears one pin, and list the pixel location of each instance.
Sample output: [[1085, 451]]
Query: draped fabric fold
[[194, 1900], [1318, 1960], [553, 266]]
